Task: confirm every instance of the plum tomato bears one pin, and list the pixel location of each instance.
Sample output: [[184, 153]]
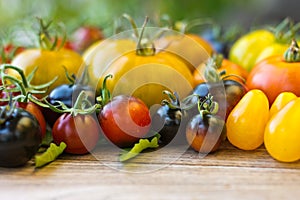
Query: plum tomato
[[79, 132], [124, 120], [20, 136]]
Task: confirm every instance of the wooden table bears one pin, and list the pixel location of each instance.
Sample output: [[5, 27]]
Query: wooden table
[[226, 174]]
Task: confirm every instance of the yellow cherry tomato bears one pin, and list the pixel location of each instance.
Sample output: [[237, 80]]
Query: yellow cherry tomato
[[281, 136], [49, 65], [281, 100], [246, 122]]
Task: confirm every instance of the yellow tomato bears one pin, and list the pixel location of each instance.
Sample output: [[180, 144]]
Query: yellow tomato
[[99, 56], [246, 122], [281, 100], [146, 77], [189, 47], [281, 136], [49, 65]]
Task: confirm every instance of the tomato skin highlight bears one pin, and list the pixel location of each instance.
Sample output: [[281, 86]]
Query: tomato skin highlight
[[124, 120], [241, 131], [281, 136], [80, 132], [281, 100]]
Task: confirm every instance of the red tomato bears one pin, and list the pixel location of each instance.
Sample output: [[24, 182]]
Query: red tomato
[[8, 52], [80, 132], [125, 120]]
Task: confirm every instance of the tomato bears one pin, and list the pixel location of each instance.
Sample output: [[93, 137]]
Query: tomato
[[197, 52], [281, 100], [37, 113], [50, 64], [8, 52], [259, 44], [20, 136], [99, 56], [281, 136], [124, 120], [276, 74], [205, 131], [246, 122], [80, 132], [85, 36], [226, 65]]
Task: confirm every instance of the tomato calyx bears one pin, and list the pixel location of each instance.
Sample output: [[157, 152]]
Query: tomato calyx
[[23, 89], [7, 111], [208, 106], [292, 54]]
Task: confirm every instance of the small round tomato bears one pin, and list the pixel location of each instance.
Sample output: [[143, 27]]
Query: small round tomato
[[124, 120], [277, 74], [281, 136], [80, 132], [247, 121]]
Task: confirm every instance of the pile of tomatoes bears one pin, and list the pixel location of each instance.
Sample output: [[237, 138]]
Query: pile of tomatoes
[[89, 87]]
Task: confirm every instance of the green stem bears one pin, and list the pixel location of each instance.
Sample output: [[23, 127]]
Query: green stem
[[292, 54], [133, 24]]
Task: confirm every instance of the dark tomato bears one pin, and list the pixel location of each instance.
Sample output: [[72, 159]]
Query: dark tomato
[[124, 120], [80, 132], [20, 137]]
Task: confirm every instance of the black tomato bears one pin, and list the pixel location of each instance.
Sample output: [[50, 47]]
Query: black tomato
[[20, 136]]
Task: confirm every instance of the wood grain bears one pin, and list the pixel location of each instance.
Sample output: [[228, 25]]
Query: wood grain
[[226, 174]]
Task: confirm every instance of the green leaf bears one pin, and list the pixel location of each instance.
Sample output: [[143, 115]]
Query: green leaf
[[50, 154], [139, 147]]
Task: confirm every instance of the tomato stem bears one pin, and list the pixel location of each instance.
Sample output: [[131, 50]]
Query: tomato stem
[[173, 102], [292, 54], [207, 106]]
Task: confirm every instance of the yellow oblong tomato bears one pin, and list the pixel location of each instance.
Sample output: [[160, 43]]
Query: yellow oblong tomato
[[281, 136], [246, 122], [281, 100], [49, 65]]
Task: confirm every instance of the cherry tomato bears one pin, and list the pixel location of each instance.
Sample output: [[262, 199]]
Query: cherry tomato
[[247, 121], [8, 52], [20, 136], [80, 132], [205, 131], [281, 136], [124, 120], [277, 74]]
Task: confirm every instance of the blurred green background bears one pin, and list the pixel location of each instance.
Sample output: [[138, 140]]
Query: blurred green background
[[102, 12]]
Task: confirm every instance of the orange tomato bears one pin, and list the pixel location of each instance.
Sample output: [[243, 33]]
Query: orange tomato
[[229, 67]]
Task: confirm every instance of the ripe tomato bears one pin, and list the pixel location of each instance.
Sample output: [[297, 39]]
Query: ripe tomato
[[50, 64], [80, 132], [197, 52], [246, 122], [281, 136], [124, 120], [259, 44], [276, 74], [85, 36], [8, 52], [229, 67], [281, 100]]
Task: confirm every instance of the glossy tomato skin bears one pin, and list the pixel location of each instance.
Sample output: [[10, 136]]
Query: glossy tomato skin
[[273, 76], [246, 122], [124, 120], [20, 137], [281, 136], [80, 132], [36, 112], [50, 64], [66, 93], [281, 100], [205, 133]]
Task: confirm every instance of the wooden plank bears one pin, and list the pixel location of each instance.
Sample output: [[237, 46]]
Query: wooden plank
[[227, 174]]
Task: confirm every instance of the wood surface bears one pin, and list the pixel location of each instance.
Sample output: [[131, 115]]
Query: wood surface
[[229, 173]]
